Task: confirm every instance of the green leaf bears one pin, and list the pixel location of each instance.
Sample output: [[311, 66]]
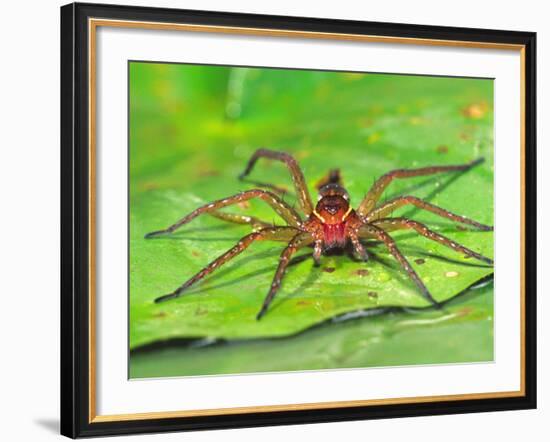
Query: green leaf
[[463, 333], [192, 129]]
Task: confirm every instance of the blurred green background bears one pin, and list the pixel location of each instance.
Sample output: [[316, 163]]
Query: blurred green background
[[192, 130]]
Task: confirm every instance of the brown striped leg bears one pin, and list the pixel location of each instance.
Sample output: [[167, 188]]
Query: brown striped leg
[[371, 231], [283, 209], [380, 185], [390, 224], [279, 190], [297, 175], [272, 233], [332, 177], [317, 252], [387, 208], [241, 219], [358, 247], [300, 240]]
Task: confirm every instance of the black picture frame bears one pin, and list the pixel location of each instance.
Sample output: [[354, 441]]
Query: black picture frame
[[75, 221]]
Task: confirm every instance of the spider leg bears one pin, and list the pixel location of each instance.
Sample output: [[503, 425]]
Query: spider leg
[[317, 252], [332, 177], [241, 219], [371, 231], [295, 171], [271, 233], [279, 190], [358, 247], [283, 209], [299, 240], [404, 223], [381, 183], [387, 208]]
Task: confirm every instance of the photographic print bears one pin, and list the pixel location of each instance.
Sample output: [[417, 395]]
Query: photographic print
[[293, 220], [273, 220]]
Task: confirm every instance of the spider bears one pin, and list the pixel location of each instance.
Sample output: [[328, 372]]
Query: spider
[[330, 224]]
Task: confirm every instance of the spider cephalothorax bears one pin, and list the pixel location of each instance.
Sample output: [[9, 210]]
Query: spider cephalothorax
[[331, 224], [332, 214]]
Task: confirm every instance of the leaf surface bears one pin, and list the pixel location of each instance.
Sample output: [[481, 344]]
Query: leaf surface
[[193, 128]]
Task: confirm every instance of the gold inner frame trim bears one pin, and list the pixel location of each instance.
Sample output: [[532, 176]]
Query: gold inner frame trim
[[93, 24]]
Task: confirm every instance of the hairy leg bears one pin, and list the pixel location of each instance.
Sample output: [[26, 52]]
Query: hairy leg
[[390, 224], [295, 171], [300, 240], [358, 247], [387, 208], [241, 219], [283, 209], [332, 177], [317, 252], [373, 195], [371, 231], [280, 190], [272, 233]]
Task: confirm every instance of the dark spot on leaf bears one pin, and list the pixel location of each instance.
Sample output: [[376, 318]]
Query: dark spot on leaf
[[160, 315], [366, 122], [442, 149], [420, 261], [464, 311], [243, 204], [303, 303], [465, 136], [201, 311], [361, 272], [328, 269], [461, 228], [209, 172], [150, 186], [372, 295], [195, 253]]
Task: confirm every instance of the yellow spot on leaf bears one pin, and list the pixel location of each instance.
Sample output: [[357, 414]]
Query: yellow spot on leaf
[[417, 121], [374, 137], [476, 110], [351, 76], [383, 277]]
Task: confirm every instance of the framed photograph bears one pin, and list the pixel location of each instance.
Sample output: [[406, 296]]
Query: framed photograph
[[275, 220]]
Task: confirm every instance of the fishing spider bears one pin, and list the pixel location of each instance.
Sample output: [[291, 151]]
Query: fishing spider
[[331, 223]]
